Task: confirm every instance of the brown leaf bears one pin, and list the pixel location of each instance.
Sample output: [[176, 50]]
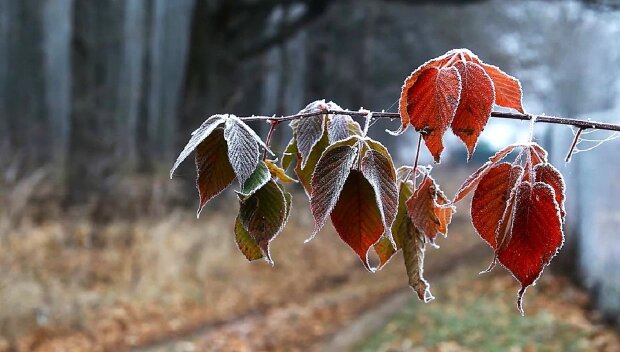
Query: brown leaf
[[329, 178], [379, 171], [413, 253], [384, 248], [215, 173]]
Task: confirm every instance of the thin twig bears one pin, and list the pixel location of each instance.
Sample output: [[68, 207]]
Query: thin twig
[[583, 124], [415, 163], [273, 123], [573, 145]]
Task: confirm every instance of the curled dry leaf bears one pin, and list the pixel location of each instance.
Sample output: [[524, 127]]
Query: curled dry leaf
[[356, 217], [429, 209], [278, 172], [456, 89], [411, 241]]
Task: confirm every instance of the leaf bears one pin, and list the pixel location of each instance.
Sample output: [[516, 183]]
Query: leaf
[[475, 105], [491, 199], [549, 175], [245, 242], [215, 173], [290, 153], [384, 248], [508, 91], [379, 171], [263, 215], [536, 235], [456, 89], [413, 253], [428, 209], [472, 181], [309, 130], [259, 177], [243, 150], [356, 217], [341, 127], [329, 178], [431, 104], [278, 172], [198, 136], [304, 175]]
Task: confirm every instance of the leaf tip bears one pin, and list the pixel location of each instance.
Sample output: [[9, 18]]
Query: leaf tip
[[520, 300]]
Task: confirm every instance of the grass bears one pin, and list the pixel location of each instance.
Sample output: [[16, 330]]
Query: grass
[[479, 314]]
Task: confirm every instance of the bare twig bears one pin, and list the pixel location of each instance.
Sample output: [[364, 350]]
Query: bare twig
[[573, 145], [582, 124], [273, 123]]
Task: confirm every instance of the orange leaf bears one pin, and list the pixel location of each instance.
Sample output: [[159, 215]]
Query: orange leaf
[[491, 199], [475, 106], [431, 104], [356, 217], [428, 209], [508, 91], [549, 175]]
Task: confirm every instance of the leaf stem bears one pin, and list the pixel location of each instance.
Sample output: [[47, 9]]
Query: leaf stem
[[273, 123], [415, 163]]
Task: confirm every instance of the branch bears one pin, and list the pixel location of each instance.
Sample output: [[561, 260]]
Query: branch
[[581, 124]]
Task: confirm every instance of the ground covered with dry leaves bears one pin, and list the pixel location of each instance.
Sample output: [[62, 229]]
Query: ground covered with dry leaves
[[180, 284]]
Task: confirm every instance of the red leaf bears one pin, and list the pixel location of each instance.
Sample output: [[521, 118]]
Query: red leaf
[[472, 181], [214, 170], [475, 106], [536, 235], [549, 175], [491, 199], [431, 104], [356, 217], [507, 88], [428, 209]]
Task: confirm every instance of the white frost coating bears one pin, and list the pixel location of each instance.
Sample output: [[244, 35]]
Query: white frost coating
[[242, 150], [383, 185], [337, 183], [197, 137], [251, 132]]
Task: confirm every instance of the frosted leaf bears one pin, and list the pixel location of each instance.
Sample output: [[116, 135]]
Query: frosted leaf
[[413, 254], [197, 137], [243, 150], [328, 179], [379, 171]]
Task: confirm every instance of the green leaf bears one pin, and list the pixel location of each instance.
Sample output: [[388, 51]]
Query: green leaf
[[384, 248], [290, 154], [257, 179], [247, 245], [263, 215]]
